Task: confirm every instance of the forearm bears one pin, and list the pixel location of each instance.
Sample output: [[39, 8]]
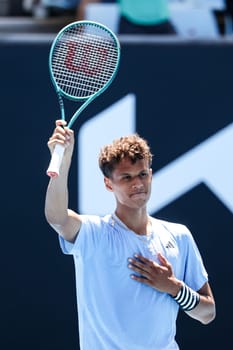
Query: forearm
[[198, 305], [204, 311], [56, 201], [66, 222]]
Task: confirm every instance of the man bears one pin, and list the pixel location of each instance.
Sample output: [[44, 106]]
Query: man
[[133, 272], [137, 16]]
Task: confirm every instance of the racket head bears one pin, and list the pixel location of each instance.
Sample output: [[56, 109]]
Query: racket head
[[83, 60]]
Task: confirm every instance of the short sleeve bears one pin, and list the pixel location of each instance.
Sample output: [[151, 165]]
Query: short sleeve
[[195, 274], [88, 238]]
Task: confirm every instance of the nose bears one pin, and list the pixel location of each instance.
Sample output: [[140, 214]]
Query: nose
[[137, 183]]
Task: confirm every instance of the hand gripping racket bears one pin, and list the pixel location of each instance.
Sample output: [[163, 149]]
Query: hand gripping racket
[[83, 61]]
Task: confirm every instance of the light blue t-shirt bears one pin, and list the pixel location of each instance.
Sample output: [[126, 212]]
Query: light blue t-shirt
[[145, 12], [114, 311]]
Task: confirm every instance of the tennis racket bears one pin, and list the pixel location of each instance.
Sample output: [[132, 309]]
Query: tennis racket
[[83, 61]]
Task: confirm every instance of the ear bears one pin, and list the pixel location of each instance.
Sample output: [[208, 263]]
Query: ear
[[108, 184], [151, 173]]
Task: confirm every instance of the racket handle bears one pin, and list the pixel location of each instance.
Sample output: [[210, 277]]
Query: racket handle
[[55, 162]]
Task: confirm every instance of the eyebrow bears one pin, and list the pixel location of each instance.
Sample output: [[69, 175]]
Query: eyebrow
[[140, 171]]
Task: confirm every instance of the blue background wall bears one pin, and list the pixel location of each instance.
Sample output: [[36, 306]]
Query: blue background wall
[[184, 95]]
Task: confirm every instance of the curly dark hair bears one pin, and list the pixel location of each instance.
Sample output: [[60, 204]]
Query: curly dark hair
[[133, 147]]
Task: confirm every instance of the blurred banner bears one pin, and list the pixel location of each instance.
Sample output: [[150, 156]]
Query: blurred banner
[[191, 18]]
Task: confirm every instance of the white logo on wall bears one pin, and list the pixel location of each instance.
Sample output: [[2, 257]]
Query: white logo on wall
[[210, 163]]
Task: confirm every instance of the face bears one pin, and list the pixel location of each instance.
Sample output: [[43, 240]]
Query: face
[[131, 183]]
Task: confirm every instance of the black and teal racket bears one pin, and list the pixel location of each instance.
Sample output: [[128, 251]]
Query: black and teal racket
[[83, 62]]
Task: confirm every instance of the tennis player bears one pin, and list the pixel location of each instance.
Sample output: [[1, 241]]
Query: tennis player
[[133, 272]]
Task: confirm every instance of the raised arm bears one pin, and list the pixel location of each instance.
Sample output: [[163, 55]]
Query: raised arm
[[65, 221]]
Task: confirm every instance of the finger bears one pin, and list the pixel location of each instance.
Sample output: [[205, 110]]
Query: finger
[[149, 262], [57, 138], [141, 272], [68, 131], [62, 125], [141, 279], [162, 259], [137, 263], [60, 122], [140, 258], [60, 129], [133, 265], [63, 130], [52, 143]]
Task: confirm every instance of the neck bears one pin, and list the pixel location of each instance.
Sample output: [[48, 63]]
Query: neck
[[138, 221]]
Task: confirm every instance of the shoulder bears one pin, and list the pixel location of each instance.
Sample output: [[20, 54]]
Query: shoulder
[[92, 231], [174, 228], [94, 222], [95, 219]]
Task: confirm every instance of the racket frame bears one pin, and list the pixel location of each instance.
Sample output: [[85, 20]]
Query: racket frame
[[88, 99], [56, 159]]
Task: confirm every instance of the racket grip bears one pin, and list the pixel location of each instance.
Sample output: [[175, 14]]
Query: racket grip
[[55, 162]]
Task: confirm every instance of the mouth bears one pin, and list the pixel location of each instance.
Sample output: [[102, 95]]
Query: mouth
[[139, 193]]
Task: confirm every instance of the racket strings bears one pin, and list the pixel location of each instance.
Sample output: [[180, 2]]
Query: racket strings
[[84, 60]]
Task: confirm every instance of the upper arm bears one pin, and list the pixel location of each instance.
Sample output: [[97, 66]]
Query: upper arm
[[69, 229], [206, 291]]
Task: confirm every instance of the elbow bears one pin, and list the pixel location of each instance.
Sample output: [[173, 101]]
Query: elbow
[[57, 227], [54, 217], [54, 222], [49, 218], [209, 319], [210, 316]]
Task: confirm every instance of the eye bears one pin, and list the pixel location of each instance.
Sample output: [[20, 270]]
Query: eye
[[144, 174], [126, 177]]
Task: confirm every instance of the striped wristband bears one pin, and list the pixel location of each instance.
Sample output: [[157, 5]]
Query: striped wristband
[[187, 298]]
